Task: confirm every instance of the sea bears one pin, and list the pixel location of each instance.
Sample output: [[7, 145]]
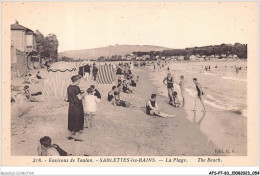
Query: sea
[[223, 87], [225, 99]]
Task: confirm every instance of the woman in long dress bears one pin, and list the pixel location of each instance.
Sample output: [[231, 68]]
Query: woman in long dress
[[76, 112]]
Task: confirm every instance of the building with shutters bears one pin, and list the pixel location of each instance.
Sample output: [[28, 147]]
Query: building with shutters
[[23, 49]]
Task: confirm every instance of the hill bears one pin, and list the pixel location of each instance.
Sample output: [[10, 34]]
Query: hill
[[109, 51]]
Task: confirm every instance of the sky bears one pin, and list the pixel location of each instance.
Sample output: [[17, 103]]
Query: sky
[[86, 25]]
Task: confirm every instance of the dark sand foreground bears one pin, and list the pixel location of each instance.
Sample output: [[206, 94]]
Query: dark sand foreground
[[117, 131]]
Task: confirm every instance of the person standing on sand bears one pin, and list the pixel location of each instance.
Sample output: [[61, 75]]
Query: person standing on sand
[[169, 82], [90, 107], [131, 66], [81, 71], [199, 95], [76, 112], [86, 71], [236, 70], [94, 71], [181, 84], [152, 108]]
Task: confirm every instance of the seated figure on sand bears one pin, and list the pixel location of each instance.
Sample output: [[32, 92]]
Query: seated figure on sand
[[126, 88], [96, 92], [120, 102], [133, 82], [38, 75], [29, 96], [128, 75], [29, 79], [152, 108], [119, 71], [174, 101], [120, 83], [19, 106], [111, 95], [46, 149]]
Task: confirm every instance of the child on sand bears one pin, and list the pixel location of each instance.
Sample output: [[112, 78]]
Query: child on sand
[[90, 107], [152, 108]]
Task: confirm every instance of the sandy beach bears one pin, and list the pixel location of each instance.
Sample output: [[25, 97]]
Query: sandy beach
[[119, 131]]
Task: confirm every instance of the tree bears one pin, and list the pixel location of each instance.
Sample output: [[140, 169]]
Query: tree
[[51, 46], [39, 38], [47, 47], [101, 59]]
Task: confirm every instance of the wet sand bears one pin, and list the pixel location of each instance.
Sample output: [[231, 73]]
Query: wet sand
[[225, 128]]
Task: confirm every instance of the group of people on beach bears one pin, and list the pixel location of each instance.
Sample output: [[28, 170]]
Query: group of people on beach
[[237, 68], [30, 79], [152, 107], [82, 115], [78, 113], [159, 65], [125, 80], [88, 70], [20, 96]]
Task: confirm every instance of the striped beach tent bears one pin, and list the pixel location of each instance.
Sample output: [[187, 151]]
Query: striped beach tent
[[58, 79], [106, 74]]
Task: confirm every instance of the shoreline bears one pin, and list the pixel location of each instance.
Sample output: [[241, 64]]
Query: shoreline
[[117, 131], [225, 129]]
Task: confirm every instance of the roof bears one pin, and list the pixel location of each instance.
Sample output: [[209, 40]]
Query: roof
[[63, 67], [17, 26]]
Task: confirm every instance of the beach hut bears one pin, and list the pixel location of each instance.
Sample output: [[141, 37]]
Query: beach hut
[[58, 79]]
